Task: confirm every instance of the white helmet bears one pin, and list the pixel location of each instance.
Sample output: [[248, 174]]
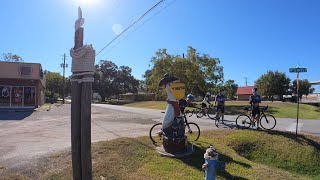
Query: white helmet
[[208, 94]]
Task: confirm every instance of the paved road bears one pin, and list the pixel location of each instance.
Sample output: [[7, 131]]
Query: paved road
[[36, 134]]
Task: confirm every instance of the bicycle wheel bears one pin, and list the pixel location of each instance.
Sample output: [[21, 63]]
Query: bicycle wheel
[[154, 133], [268, 122], [212, 113], [243, 121], [192, 131]]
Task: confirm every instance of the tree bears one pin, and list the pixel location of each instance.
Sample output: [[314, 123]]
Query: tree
[[199, 72], [109, 79], [230, 89], [304, 87], [9, 57], [273, 83], [54, 83]]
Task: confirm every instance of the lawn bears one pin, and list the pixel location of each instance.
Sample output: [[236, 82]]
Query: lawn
[[247, 155], [276, 108]]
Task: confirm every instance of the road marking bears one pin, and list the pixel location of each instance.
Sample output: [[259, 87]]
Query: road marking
[[292, 127]]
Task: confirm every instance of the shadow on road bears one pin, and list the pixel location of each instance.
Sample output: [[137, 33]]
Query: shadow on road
[[227, 124], [12, 115]]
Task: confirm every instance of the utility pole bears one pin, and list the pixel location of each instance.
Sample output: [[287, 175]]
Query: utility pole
[[64, 66], [246, 81]]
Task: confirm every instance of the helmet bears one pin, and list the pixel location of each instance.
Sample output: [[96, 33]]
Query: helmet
[[208, 94], [254, 89], [220, 90], [191, 97]]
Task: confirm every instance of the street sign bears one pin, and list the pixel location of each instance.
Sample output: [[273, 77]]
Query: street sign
[[297, 70]]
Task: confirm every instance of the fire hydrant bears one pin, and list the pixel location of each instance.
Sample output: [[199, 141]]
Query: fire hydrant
[[212, 164]]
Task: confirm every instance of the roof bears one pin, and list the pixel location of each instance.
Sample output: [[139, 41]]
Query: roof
[[9, 62], [245, 90], [315, 82]]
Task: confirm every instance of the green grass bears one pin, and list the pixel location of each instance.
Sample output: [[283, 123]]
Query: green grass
[[247, 155], [278, 109], [116, 102], [281, 151]]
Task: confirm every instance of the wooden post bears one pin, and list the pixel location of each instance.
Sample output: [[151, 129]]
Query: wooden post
[[76, 116], [81, 107], [75, 130], [86, 161], [297, 105]]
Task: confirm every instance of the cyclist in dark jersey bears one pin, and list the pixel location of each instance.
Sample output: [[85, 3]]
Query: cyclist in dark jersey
[[183, 103], [255, 100], [219, 102]]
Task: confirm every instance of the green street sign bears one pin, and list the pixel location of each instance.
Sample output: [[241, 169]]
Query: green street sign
[[297, 70]]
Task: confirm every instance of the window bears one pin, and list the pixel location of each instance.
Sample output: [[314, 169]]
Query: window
[[25, 71]]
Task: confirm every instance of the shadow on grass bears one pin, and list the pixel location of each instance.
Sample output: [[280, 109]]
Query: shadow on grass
[[300, 138], [196, 160]]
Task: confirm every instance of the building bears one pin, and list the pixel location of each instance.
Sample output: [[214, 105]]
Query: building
[[244, 93], [21, 85], [316, 86]]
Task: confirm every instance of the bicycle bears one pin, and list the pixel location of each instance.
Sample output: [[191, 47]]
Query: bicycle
[[207, 111], [191, 128], [190, 113], [267, 121]]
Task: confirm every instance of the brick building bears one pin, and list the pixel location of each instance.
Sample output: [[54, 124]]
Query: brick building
[[21, 85], [244, 93]]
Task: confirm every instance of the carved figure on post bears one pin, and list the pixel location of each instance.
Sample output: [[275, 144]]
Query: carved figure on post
[[173, 128], [83, 58]]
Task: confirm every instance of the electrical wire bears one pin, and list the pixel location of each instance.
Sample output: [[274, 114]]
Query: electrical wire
[[147, 12], [139, 27]]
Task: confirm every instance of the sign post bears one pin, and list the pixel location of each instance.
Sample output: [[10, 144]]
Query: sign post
[[297, 70]]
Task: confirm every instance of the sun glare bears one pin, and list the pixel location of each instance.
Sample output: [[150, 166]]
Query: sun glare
[[86, 2]]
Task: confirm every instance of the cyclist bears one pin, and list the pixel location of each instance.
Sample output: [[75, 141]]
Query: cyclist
[[254, 101], [205, 102], [183, 103], [219, 102]]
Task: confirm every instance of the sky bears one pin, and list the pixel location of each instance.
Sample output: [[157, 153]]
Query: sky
[[249, 37]]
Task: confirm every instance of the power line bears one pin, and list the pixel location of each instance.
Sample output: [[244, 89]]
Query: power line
[[139, 26], [161, 1]]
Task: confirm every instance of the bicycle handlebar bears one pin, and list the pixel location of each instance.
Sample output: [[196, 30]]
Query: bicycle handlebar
[[262, 108]]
